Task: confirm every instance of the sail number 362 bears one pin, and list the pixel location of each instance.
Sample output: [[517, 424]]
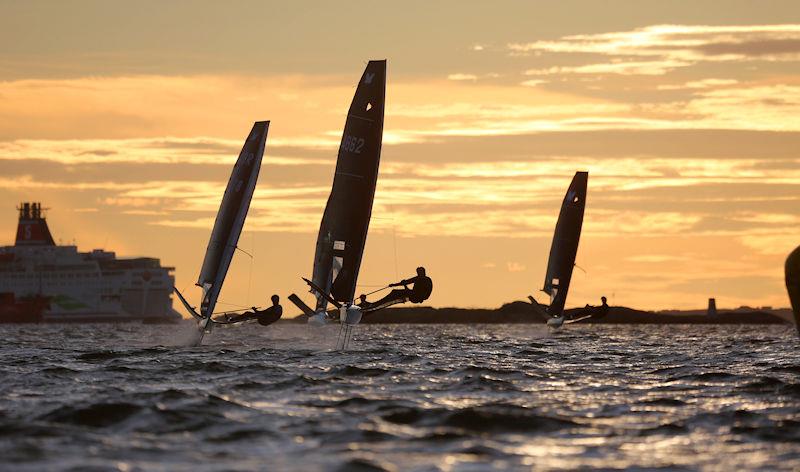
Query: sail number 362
[[352, 144]]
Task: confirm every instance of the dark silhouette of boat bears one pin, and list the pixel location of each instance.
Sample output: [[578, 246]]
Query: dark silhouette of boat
[[792, 271], [345, 222], [563, 250], [228, 227]]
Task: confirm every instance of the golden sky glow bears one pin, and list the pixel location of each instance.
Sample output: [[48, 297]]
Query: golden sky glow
[[125, 120]]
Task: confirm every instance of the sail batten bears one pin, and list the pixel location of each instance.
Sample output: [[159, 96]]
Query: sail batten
[[564, 247], [231, 216], [345, 222]]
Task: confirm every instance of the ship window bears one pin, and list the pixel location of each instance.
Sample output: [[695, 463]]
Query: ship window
[[576, 199], [369, 106]]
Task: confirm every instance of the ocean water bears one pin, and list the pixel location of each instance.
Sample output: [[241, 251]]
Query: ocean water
[[404, 397]]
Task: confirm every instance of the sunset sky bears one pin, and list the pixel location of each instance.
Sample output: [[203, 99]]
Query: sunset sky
[[124, 118]]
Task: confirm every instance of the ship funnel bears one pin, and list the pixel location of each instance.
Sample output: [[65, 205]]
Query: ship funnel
[[32, 229]]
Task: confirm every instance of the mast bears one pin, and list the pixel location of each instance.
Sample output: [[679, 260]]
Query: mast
[[343, 230], [564, 247], [230, 217]]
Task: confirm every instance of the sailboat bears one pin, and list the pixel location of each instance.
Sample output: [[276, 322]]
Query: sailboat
[[792, 273], [345, 222], [227, 227], [563, 251]]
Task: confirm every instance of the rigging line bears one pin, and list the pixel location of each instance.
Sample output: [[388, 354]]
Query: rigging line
[[232, 304], [394, 242], [240, 249], [250, 276], [581, 268], [394, 239], [234, 311], [173, 286], [376, 291]]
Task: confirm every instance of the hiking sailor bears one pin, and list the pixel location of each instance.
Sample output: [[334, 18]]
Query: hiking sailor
[[264, 317], [600, 311], [421, 290], [589, 311]]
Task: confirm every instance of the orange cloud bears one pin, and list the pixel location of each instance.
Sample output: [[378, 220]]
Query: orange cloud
[[690, 43]]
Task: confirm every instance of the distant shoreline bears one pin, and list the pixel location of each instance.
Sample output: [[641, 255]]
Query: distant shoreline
[[521, 312]]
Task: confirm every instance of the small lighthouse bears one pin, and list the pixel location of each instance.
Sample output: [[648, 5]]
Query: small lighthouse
[[712, 307]]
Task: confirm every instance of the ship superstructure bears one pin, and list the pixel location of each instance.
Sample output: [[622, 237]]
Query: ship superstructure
[[83, 286]]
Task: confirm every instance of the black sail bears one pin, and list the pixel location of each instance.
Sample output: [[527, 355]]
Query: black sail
[[564, 247], [231, 216], [793, 284], [343, 231]]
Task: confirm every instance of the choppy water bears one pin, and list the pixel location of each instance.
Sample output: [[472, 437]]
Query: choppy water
[[405, 397]]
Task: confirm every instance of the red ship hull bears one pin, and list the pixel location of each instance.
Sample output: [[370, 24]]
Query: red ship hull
[[25, 310]]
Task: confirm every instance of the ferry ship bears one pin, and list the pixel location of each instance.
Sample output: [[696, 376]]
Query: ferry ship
[[81, 286]]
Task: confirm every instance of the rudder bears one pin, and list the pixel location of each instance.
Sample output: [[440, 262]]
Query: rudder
[[301, 305]]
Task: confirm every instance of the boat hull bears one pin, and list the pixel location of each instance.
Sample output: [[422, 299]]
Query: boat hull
[[27, 310]]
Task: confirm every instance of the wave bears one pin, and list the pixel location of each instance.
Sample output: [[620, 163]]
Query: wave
[[667, 429], [363, 465], [59, 371], [481, 370], [482, 450], [10, 428], [100, 356], [355, 371], [706, 377], [153, 412], [481, 382], [240, 434], [786, 430], [361, 404], [662, 402], [791, 369], [532, 352], [486, 418], [98, 415]]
